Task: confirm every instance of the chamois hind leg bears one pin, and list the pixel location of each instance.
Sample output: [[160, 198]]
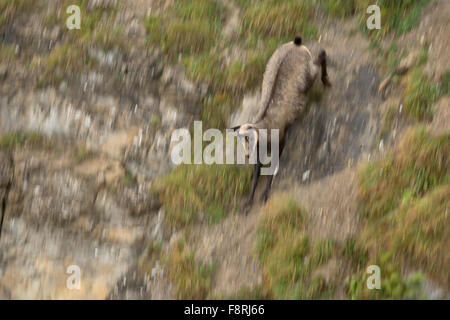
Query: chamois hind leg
[[255, 178], [265, 194], [322, 62]]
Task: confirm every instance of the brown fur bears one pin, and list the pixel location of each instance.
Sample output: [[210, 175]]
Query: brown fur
[[286, 81]]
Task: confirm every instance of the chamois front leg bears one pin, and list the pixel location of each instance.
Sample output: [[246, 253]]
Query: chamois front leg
[[265, 194], [255, 178]]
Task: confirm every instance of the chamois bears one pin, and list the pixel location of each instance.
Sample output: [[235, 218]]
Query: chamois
[[289, 74]]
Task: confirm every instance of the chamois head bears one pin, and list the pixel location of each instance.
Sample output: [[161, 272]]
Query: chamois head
[[249, 136]]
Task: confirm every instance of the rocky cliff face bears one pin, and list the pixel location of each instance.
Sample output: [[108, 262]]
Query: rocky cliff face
[[81, 196], [78, 194]]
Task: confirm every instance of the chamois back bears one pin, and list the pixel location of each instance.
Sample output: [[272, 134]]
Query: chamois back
[[289, 74]]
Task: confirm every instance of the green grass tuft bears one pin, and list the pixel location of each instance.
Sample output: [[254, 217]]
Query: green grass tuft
[[354, 252], [404, 200], [191, 279], [82, 153], [445, 84], [289, 257], [420, 164], [189, 27], [214, 190], [340, 8], [420, 94], [397, 17], [128, 179], [12, 140], [7, 52], [401, 16], [279, 19], [387, 122], [393, 285], [71, 57], [64, 61]]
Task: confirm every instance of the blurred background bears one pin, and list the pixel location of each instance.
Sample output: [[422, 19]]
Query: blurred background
[[86, 180]]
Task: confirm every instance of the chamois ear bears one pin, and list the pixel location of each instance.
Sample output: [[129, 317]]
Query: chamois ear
[[235, 128]]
